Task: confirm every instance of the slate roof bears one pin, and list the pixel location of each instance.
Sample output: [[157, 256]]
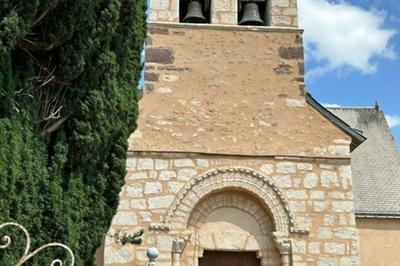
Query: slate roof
[[375, 163]]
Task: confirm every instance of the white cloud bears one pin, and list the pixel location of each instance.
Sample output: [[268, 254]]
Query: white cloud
[[393, 120], [331, 105], [343, 37]]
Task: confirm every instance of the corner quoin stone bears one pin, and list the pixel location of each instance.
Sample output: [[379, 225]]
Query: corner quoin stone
[[160, 55], [157, 30], [291, 52], [151, 76]]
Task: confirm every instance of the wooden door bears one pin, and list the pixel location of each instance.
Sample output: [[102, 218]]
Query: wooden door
[[222, 258]]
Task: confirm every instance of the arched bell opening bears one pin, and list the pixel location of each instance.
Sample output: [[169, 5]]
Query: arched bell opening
[[194, 11], [253, 13]]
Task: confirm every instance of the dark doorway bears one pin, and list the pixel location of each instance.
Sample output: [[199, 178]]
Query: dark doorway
[[222, 258]]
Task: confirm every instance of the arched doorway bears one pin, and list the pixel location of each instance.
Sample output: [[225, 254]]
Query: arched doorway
[[198, 204], [234, 221]]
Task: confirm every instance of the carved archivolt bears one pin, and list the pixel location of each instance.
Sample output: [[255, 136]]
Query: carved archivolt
[[232, 178]]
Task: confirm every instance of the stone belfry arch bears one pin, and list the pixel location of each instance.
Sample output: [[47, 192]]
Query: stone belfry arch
[[231, 154]]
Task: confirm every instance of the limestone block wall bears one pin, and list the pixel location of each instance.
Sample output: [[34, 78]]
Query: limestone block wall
[[283, 13], [164, 10], [316, 192], [279, 13], [224, 12]]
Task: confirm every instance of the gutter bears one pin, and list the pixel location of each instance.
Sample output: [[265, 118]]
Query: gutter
[[379, 215]]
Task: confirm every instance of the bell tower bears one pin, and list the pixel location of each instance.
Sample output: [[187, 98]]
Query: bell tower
[[231, 156], [226, 67], [275, 13]]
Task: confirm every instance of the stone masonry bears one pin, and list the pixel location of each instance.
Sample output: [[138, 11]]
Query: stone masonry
[[280, 13], [228, 154], [317, 192], [250, 88]]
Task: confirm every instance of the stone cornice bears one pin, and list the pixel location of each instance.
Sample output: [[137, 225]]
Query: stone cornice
[[296, 158], [227, 27]]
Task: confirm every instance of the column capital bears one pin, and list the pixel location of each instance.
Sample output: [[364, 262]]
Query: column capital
[[283, 243], [179, 243]]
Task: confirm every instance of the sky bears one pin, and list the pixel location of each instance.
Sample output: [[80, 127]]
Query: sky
[[352, 51]]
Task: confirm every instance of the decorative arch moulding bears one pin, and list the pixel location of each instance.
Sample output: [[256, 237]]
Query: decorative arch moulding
[[243, 178]]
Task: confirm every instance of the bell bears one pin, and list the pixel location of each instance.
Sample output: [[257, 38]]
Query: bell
[[195, 13], [251, 15]]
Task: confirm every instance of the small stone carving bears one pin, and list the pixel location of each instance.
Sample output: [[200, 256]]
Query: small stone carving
[[179, 244], [159, 227]]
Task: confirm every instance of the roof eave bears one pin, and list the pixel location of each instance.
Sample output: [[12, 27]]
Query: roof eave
[[356, 137], [378, 215]]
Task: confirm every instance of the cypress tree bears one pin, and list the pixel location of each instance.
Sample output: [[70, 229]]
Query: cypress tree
[[68, 103]]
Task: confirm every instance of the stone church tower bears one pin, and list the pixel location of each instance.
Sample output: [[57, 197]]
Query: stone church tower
[[232, 158]]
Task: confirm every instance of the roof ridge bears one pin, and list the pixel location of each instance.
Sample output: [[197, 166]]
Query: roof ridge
[[352, 107]]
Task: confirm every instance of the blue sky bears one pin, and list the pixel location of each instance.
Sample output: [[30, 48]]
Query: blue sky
[[353, 53]]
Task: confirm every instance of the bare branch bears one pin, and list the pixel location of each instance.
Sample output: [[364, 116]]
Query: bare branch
[[36, 21], [43, 46], [54, 115], [56, 125]]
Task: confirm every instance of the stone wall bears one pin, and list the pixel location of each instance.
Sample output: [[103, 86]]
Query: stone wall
[[230, 91], [283, 13], [279, 13], [317, 193], [224, 12]]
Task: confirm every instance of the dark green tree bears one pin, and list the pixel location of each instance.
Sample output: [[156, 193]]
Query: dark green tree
[[68, 103]]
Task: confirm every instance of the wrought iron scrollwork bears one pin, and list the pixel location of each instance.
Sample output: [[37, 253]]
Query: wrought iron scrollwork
[[5, 242]]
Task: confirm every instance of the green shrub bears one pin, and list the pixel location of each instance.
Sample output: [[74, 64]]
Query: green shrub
[[68, 77]]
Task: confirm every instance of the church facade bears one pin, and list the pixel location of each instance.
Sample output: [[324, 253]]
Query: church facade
[[232, 156]]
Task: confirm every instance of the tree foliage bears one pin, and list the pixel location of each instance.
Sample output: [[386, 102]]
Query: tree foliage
[[68, 73]]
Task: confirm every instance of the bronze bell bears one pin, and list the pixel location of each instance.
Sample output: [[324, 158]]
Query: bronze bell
[[251, 15], [195, 13]]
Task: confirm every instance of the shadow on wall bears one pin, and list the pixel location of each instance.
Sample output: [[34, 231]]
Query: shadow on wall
[[378, 224]]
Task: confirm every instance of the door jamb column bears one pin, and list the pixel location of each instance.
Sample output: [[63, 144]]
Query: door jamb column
[[178, 245], [285, 247]]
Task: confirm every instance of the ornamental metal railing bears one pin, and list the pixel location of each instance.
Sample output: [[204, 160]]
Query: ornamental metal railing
[[5, 242]]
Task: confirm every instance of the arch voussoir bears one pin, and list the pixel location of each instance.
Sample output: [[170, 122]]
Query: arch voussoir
[[239, 178]]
